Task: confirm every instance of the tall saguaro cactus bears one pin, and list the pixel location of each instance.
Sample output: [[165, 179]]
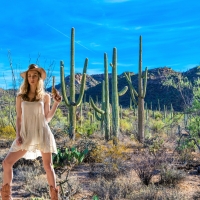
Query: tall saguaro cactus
[[115, 98], [142, 84], [72, 104], [105, 111]]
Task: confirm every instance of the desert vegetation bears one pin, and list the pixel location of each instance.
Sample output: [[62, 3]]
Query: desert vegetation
[[110, 152]]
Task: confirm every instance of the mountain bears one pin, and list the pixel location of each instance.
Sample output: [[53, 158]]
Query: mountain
[[90, 82], [157, 93]]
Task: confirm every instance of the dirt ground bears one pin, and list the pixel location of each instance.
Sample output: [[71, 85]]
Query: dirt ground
[[189, 186]]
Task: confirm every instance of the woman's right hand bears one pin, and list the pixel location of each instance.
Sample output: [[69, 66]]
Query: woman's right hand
[[19, 140]]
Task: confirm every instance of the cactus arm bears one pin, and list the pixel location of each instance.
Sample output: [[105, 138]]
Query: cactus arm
[[145, 83], [123, 91], [62, 76], [97, 116], [83, 81], [81, 90], [95, 107], [128, 78], [133, 97]]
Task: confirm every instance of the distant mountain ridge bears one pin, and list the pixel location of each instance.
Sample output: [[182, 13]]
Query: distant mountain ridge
[[156, 90]]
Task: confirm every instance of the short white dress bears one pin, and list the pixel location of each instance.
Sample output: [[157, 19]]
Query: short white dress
[[35, 132]]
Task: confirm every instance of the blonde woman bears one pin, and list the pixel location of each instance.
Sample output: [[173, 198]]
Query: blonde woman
[[33, 135]]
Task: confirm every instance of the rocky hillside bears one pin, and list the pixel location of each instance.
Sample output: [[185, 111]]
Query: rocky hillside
[[156, 89], [90, 82]]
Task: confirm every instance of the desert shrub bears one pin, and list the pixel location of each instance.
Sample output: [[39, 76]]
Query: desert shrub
[[172, 194], [169, 175], [89, 144], [145, 166], [26, 173], [185, 156], [69, 187], [108, 170], [144, 193], [112, 161], [38, 185], [7, 132], [156, 193], [156, 125], [157, 115], [108, 152], [116, 189], [87, 128], [125, 125], [30, 163]]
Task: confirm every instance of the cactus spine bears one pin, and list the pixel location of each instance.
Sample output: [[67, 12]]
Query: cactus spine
[[72, 104], [142, 84]]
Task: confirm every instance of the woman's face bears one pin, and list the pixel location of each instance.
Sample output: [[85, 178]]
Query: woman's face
[[33, 77]]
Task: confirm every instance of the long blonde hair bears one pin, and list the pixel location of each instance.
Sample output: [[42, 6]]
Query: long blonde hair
[[25, 88]]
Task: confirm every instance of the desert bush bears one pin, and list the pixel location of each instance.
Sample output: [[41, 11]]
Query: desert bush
[[156, 125], [158, 115], [169, 175], [26, 173], [104, 153], [38, 186], [112, 160], [7, 132], [89, 144], [116, 189], [87, 128], [156, 193], [125, 125], [146, 165], [69, 187], [185, 156], [144, 193]]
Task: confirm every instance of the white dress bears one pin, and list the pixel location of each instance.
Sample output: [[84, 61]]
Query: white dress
[[35, 132]]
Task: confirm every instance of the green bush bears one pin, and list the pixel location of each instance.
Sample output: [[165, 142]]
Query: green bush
[[7, 132]]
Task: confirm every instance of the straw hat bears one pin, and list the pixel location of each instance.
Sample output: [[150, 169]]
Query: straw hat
[[34, 67]]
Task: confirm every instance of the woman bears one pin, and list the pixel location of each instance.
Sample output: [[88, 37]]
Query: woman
[[33, 135]]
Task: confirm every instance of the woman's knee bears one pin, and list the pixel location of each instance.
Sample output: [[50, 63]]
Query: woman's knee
[[48, 167], [6, 164]]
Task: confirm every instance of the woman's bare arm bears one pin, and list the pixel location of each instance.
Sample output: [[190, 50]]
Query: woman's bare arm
[[49, 113], [18, 119]]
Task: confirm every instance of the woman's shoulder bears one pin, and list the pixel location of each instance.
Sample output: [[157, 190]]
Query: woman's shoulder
[[19, 97], [46, 97]]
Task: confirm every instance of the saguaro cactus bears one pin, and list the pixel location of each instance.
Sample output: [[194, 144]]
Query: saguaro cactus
[[105, 110], [142, 84], [115, 98], [72, 104]]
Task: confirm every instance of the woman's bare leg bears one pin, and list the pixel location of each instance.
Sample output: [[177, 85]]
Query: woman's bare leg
[[8, 163], [48, 166]]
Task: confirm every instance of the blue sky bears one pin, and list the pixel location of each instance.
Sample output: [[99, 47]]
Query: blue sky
[[40, 30]]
